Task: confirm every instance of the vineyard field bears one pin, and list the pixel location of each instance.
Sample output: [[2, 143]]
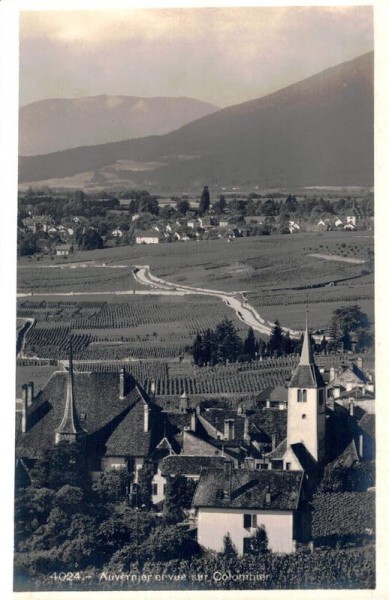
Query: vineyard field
[[149, 327], [343, 514]]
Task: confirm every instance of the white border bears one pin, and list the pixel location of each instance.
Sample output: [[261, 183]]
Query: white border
[[9, 10]]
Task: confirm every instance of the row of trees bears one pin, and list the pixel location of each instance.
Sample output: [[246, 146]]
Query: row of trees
[[349, 330]]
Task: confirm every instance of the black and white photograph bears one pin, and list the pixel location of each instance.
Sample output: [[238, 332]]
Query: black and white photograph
[[195, 388]]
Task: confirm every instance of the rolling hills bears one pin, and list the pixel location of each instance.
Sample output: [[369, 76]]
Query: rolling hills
[[319, 131]]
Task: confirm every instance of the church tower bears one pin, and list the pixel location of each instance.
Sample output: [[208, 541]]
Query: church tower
[[70, 428], [307, 404]]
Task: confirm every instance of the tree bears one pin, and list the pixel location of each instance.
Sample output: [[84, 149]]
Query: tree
[[349, 323], [229, 548], [275, 343], [172, 509], [63, 464], [112, 486], [259, 543], [197, 350], [229, 344], [204, 201], [249, 344], [183, 206], [144, 494], [89, 240]]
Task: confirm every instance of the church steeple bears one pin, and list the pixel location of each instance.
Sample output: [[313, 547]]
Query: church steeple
[[70, 428], [307, 374], [306, 357], [306, 404]]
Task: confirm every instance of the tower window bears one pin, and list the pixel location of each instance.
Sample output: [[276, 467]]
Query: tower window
[[301, 395], [304, 395]]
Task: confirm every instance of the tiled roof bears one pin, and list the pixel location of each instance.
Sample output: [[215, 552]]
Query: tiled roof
[[190, 465], [113, 426], [249, 489], [279, 451], [367, 424], [271, 422], [307, 376]]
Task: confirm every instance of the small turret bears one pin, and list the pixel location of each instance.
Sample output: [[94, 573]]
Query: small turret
[[70, 428]]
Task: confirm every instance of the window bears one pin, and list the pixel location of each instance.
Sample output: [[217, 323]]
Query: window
[[220, 494], [303, 416], [155, 468], [301, 395], [288, 465], [164, 489], [249, 521], [155, 489]]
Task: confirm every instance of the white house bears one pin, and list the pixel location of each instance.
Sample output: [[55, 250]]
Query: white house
[[147, 237], [117, 233], [237, 502]]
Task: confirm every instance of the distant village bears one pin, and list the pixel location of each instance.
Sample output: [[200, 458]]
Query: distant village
[[56, 224]]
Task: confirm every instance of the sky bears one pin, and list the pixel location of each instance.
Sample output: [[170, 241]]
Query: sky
[[220, 55]]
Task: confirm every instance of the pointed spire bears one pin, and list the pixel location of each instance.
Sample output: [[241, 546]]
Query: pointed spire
[[306, 357], [70, 427]]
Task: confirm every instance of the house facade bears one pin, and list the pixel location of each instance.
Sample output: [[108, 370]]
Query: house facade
[[237, 502]]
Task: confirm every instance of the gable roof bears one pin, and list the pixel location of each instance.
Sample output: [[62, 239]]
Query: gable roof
[[279, 451], [113, 426], [249, 489]]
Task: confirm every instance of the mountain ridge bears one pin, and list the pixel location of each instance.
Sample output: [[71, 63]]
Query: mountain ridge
[[318, 131], [56, 124]]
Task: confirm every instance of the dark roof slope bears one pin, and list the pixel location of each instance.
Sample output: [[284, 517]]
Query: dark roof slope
[[190, 465], [249, 489], [307, 376], [367, 424]]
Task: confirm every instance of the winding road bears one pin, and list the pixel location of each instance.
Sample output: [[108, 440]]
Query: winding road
[[157, 286], [235, 300]]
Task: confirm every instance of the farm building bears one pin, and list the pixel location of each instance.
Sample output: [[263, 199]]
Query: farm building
[[64, 250], [148, 237]]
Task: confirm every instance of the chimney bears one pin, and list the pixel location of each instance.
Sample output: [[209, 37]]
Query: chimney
[[351, 407], [268, 403], [30, 393], [227, 479], [198, 410], [24, 404], [229, 429], [360, 363], [360, 445], [121, 384], [146, 413], [273, 441], [193, 420], [25, 393], [246, 434], [336, 392], [332, 373], [239, 410], [184, 403]]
